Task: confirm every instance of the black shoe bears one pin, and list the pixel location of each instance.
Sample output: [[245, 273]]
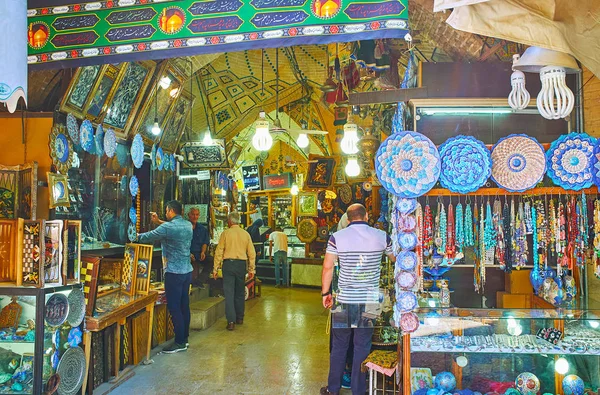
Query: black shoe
[[240, 322], [187, 343], [231, 326], [175, 347], [325, 391]]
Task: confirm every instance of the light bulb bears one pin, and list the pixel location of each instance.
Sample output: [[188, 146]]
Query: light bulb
[[165, 82], [515, 330], [555, 100], [207, 140], [156, 127], [594, 324], [561, 365], [262, 139], [223, 192], [511, 322], [519, 98], [352, 167], [294, 189], [302, 140], [462, 361], [350, 139], [174, 92]]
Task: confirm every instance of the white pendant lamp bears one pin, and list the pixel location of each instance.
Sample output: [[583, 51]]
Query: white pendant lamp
[[294, 189], [555, 100], [349, 142], [352, 167], [303, 141], [262, 140], [207, 140], [519, 98]]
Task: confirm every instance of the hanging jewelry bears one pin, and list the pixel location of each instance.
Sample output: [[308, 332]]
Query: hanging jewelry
[[579, 244], [428, 232], [553, 227], [536, 257], [460, 227], [489, 236], [597, 238], [482, 250], [528, 219], [499, 225], [469, 238], [420, 247], [561, 238], [521, 238], [441, 238], [508, 253], [572, 231], [450, 234], [542, 233]]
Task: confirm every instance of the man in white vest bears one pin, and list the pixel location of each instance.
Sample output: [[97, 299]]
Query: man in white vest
[[359, 249]]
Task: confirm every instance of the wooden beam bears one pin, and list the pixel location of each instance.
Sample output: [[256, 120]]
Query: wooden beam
[[388, 96], [490, 51]]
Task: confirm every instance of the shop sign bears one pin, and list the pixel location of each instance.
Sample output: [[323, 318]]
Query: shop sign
[[277, 181], [251, 178]]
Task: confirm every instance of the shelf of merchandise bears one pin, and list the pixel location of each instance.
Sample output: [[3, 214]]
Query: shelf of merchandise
[[541, 191]]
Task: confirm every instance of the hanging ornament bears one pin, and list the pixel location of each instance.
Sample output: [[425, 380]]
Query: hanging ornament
[[570, 161], [450, 234], [460, 227], [442, 226], [527, 218], [518, 163], [489, 240], [535, 274], [553, 227], [469, 238], [597, 238], [499, 226], [427, 236]]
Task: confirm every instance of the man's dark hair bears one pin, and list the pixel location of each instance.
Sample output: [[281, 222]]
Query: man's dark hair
[[175, 206], [356, 212]]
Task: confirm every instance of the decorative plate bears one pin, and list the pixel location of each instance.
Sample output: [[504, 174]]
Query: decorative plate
[[166, 161], [76, 307], [159, 158], [367, 186], [124, 183], [61, 149], [406, 206], [407, 164], [307, 230], [56, 338], [73, 128], [409, 322], [99, 140], [407, 240], [406, 301], [75, 162], [406, 223], [55, 359], [345, 193], [86, 136], [123, 156], [445, 381], [406, 280], [137, 151], [173, 163], [75, 336], [71, 370], [133, 215], [466, 164], [573, 385], [527, 383], [570, 161], [131, 233], [518, 163], [406, 260], [153, 157], [57, 309], [110, 143], [134, 186], [323, 232]]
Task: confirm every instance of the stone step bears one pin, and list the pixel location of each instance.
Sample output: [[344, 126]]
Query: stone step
[[198, 294], [206, 312]]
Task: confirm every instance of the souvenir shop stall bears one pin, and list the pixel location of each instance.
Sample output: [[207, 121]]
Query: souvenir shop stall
[[522, 212]]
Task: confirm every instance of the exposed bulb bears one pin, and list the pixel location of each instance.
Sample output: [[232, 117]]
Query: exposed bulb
[[262, 140], [207, 140], [462, 361], [294, 189], [350, 140], [165, 82], [519, 97], [561, 365], [352, 167], [156, 127], [555, 100], [302, 140]]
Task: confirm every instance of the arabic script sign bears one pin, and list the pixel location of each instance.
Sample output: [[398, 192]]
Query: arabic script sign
[[124, 30]]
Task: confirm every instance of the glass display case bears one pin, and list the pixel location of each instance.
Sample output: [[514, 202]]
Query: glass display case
[[282, 211], [40, 337]]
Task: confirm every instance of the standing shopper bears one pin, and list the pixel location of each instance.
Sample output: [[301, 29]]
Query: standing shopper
[[235, 254], [200, 242], [278, 248], [175, 236], [359, 249]]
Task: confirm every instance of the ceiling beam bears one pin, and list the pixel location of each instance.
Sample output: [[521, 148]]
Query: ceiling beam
[[388, 96]]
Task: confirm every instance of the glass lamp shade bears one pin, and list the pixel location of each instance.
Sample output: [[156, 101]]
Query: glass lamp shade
[[349, 142], [352, 167], [155, 128], [262, 140], [207, 140], [303, 141], [294, 190]]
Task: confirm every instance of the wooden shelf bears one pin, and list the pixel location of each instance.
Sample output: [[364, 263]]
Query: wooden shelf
[[502, 192]]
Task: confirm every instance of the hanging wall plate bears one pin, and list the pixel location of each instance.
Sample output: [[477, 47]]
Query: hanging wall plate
[[110, 143], [86, 136], [406, 206], [406, 260], [408, 164], [307, 230], [406, 280], [406, 301], [166, 161], [159, 158], [409, 322], [131, 233], [76, 301], [466, 164], [57, 309], [407, 240], [123, 156], [137, 151], [153, 157], [133, 215], [73, 128], [71, 370], [518, 163], [61, 149], [99, 141], [134, 186], [570, 161]]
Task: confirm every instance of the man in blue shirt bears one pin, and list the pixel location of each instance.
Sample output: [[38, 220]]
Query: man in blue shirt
[[200, 242], [175, 236]]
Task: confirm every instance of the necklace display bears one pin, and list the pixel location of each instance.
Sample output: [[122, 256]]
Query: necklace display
[[420, 247], [596, 255], [440, 240], [460, 228], [427, 235], [468, 223], [450, 234], [489, 236]]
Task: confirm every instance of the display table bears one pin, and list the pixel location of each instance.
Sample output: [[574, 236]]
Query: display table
[[114, 309], [307, 271]]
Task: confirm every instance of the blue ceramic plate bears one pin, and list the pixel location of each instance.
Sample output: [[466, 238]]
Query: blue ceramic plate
[[86, 136], [166, 162], [131, 233], [99, 140], [137, 151], [74, 337], [406, 206], [61, 146], [123, 155], [466, 164], [407, 241], [406, 301], [570, 161], [110, 143], [73, 129], [159, 158], [124, 184], [133, 215], [133, 186], [406, 260]]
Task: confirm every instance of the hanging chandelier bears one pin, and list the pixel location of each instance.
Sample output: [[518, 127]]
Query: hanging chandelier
[[262, 140]]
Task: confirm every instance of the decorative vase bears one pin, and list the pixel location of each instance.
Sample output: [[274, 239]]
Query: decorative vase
[[444, 294], [368, 144]]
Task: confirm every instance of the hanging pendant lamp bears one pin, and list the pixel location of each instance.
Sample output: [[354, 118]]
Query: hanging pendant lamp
[[262, 140]]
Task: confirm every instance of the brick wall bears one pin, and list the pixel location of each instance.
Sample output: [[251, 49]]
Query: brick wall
[[591, 103]]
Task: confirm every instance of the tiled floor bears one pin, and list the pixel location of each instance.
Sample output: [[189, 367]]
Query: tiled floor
[[282, 348]]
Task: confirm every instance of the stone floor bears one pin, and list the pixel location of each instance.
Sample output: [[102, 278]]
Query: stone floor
[[282, 348]]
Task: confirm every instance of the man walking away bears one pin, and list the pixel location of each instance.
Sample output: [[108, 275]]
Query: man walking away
[[235, 254], [175, 236], [278, 249], [200, 242], [359, 249]]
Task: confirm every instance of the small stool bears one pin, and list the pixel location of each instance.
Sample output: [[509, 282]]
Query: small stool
[[381, 366], [257, 287]]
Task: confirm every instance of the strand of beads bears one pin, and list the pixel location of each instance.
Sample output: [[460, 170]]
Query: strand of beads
[[489, 235], [469, 237], [460, 227], [450, 234], [499, 225], [442, 229]]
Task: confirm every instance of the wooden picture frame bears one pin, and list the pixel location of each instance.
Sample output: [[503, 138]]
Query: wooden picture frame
[[165, 103], [71, 269], [105, 86], [18, 191], [143, 264], [81, 90], [127, 96], [54, 254], [129, 270], [111, 270], [58, 190], [212, 156], [320, 172], [90, 265], [176, 124], [307, 204], [31, 252]]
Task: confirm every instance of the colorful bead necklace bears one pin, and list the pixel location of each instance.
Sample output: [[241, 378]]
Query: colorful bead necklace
[[469, 237], [460, 228], [450, 234]]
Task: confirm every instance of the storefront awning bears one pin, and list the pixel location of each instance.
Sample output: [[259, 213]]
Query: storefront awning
[[114, 31]]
